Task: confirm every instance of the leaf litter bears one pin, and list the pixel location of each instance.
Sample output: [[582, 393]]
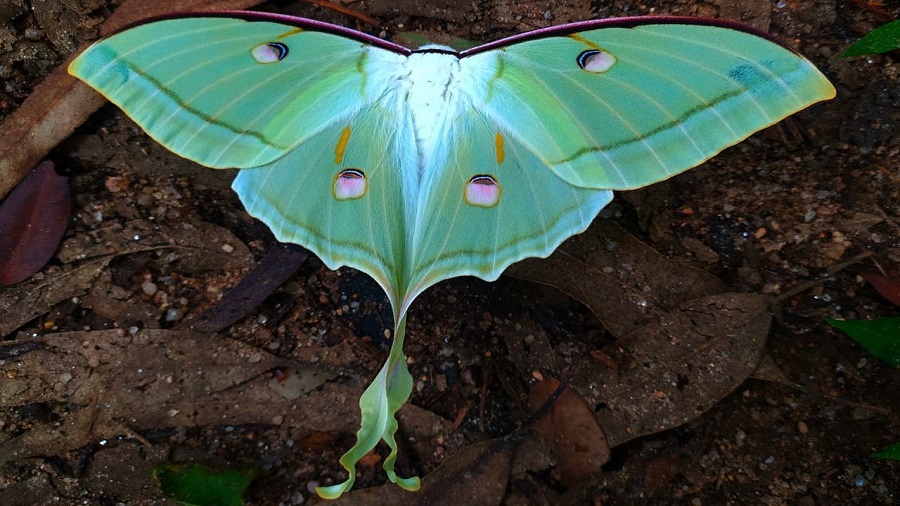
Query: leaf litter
[[665, 319]]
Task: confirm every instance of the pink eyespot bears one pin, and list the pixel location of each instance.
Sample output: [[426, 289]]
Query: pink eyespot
[[269, 52], [596, 61], [483, 191], [350, 184]]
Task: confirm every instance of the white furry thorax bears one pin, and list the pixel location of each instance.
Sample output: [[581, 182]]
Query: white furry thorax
[[433, 87]]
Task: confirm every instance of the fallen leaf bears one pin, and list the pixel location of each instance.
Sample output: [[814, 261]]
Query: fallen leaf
[[888, 287], [157, 379], [623, 281], [570, 429], [33, 219], [474, 476], [23, 302], [666, 373], [197, 246], [676, 368]]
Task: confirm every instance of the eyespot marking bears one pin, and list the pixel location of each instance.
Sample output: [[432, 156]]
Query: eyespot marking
[[596, 60], [270, 52], [483, 191], [350, 184]]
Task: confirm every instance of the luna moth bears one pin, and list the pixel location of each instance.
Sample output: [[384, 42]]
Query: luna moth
[[415, 166]]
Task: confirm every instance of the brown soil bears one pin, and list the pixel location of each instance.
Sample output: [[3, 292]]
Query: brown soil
[[797, 205]]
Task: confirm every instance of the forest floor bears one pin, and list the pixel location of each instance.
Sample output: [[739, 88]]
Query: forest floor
[[769, 404]]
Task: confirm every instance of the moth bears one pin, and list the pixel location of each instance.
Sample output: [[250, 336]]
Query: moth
[[415, 166]]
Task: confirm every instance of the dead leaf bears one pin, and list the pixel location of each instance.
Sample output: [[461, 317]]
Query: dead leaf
[[475, 476], [61, 102], [33, 219], [768, 370], [23, 302], [677, 367], [665, 374], [571, 430], [888, 287], [158, 379], [164, 378], [197, 245], [623, 281]]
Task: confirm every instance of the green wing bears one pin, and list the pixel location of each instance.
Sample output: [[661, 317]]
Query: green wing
[[296, 195], [532, 213], [655, 99], [217, 91]]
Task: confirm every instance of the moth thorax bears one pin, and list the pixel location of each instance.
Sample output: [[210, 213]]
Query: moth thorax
[[433, 96]]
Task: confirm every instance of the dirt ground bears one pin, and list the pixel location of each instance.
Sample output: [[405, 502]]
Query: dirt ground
[[690, 319]]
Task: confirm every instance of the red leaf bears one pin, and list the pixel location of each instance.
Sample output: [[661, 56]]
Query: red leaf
[[889, 288], [33, 219]]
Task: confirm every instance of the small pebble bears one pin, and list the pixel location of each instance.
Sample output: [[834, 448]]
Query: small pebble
[[149, 287], [174, 315], [33, 34]]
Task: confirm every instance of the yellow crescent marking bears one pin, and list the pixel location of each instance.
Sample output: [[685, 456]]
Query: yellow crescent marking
[[290, 32], [498, 144], [341, 145], [584, 41]]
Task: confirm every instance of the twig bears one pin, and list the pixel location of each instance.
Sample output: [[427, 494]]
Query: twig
[[345, 10], [874, 9], [887, 218], [831, 272]]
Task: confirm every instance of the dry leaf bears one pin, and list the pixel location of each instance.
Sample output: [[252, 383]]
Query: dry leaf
[[623, 281], [474, 476], [570, 429], [677, 367], [33, 219], [157, 379]]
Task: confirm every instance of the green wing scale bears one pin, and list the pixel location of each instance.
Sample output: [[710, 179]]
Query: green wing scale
[[419, 166]]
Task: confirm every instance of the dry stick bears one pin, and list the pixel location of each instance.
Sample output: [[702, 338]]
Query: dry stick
[[831, 272], [345, 10], [878, 11], [887, 218]]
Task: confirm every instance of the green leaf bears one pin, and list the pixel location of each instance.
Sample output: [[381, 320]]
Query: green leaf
[[891, 453], [881, 337], [880, 40], [198, 485]]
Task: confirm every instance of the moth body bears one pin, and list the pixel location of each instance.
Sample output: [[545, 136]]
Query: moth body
[[431, 81]]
